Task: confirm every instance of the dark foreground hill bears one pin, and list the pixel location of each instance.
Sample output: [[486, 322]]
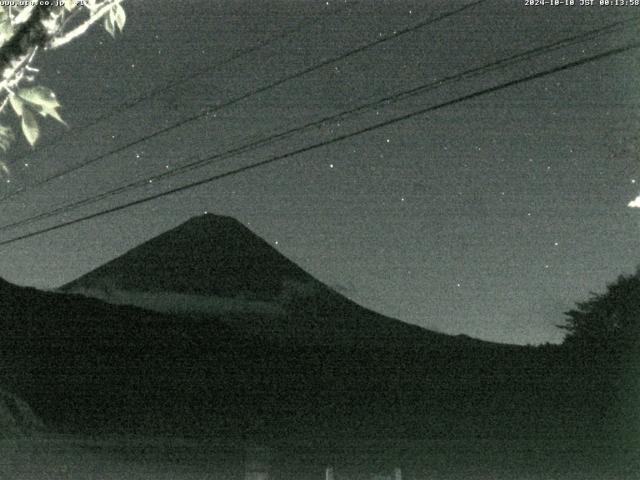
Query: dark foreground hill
[[84, 363], [88, 366]]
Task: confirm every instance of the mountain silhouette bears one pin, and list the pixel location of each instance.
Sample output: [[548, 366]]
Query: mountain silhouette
[[214, 265], [208, 331], [207, 255]]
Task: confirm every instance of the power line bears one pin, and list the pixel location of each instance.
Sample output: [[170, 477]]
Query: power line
[[174, 84], [528, 54], [252, 93], [325, 143]]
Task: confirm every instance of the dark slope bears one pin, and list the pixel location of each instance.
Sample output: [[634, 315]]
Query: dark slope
[[82, 364], [213, 265], [89, 367], [86, 365]]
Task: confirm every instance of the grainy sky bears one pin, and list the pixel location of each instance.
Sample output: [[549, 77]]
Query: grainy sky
[[489, 217]]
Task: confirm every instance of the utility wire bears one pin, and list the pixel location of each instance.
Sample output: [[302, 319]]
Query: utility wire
[[516, 58], [325, 143], [182, 80], [252, 93]]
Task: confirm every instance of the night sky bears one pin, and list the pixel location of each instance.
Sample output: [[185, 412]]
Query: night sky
[[489, 217]]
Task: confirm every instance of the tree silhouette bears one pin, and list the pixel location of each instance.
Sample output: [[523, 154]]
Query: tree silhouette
[[608, 322], [602, 350]]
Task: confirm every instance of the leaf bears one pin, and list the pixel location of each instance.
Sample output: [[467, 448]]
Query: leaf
[[52, 112], [42, 99], [30, 127], [69, 5], [109, 24], [40, 96], [17, 104], [120, 16]]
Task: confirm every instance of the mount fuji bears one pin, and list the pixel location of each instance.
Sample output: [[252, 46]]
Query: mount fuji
[[215, 266]]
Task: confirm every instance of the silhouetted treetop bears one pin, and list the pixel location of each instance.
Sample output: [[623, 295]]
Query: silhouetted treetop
[[610, 320]]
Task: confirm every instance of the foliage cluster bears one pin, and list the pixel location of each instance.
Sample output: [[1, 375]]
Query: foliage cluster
[[24, 31]]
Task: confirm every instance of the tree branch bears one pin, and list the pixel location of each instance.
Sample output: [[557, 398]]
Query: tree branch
[[81, 29], [36, 32]]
